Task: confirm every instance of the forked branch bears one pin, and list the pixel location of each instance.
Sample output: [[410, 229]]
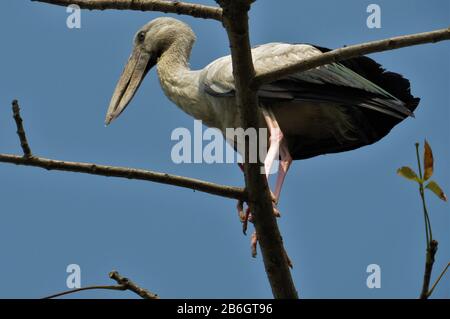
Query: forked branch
[[105, 170], [122, 284]]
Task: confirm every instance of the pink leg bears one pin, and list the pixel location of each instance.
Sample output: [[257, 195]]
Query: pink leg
[[285, 163], [275, 137], [278, 148]]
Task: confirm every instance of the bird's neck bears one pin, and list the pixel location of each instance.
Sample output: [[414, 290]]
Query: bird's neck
[[182, 85], [179, 83], [176, 57]]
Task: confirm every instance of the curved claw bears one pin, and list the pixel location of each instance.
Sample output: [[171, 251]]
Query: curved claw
[[244, 217], [240, 210], [248, 217], [274, 198], [254, 243], [276, 212]]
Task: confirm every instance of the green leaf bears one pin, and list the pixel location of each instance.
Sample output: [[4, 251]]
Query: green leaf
[[408, 173], [435, 188], [428, 161]]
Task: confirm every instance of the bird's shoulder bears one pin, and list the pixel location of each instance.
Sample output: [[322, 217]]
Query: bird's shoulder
[[218, 75], [273, 55]]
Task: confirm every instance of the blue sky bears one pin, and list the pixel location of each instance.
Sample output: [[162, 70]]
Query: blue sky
[[341, 212]]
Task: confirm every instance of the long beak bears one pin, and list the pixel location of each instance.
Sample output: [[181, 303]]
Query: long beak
[[138, 65]]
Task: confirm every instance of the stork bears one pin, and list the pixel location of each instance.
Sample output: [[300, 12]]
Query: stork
[[333, 108]]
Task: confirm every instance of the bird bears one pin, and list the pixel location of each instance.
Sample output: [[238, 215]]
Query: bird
[[333, 108]]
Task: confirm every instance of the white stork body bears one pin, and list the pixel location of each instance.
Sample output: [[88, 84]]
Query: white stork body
[[208, 94], [332, 108]]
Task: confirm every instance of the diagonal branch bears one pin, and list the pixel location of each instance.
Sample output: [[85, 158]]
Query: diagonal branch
[[438, 279], [235, 20], [351, 52], [129, 285], [123, 284], [191, 9]]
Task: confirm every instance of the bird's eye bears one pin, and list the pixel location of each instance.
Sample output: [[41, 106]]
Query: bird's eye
[[141, 36]]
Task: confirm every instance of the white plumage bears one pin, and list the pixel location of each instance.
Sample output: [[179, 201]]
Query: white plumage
[[332, 108]]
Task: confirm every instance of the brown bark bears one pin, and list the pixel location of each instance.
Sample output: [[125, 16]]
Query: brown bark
[[352, 52], [235, 20], [178, 7]]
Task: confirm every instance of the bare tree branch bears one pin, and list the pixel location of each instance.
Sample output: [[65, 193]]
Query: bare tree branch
[[194, 10], [20, 131], [113, 171], [351, 52], [123, 284], [129, 173], [129, 285], [235, 20]]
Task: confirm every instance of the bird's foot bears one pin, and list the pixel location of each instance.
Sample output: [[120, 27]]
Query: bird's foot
[[244, 217], [276, 212], [254, 245]]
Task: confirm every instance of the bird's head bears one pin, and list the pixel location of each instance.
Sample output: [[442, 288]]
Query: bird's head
[[150, 43]]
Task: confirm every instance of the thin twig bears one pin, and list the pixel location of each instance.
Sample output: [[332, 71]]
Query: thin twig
[[129, 173], [178, 7], [129, 285], [422, 196], [235, 21], [120, 287], [20, 130], [351, 52], [438, 279], [432, 245]]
